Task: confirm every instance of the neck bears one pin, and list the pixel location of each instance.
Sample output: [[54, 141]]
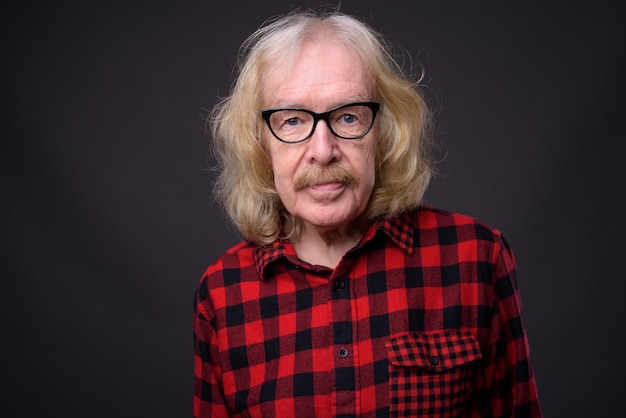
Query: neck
[[326, 247]]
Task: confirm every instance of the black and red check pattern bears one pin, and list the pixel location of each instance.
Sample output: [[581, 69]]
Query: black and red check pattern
[[422, 318], [431, 363]]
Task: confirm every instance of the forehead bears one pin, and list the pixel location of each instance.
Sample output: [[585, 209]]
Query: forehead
[[323, 73]]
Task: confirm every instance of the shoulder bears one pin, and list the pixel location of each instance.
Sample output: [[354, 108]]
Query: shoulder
[[454, 238], [231, 267], [457, 232], [237, 256], [445, 223]]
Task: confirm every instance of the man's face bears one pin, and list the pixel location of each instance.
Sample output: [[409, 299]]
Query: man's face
[[325, 75]]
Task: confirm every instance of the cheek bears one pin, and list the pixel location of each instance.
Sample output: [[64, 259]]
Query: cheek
[[283, 170], [283, 174], [369, 167], [277, 161], [368, 181], [281, 184]]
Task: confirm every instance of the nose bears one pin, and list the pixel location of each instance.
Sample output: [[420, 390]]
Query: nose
[[322, 146]]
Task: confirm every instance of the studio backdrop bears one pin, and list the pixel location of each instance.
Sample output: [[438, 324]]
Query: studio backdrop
[[107, 214]]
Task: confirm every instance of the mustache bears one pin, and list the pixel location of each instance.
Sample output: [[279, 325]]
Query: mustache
[[334, 173]]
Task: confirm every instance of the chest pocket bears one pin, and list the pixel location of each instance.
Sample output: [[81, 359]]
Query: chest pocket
[[430, 374]]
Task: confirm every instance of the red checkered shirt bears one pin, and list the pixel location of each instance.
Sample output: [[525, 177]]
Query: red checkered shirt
[[422, 319]]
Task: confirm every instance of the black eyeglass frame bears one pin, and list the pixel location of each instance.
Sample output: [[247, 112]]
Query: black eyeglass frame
[[325, 116]]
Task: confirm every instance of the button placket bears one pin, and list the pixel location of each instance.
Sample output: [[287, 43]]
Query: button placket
[[345, 371]]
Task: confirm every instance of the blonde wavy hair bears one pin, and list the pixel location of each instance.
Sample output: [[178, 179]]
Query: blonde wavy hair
[[245, 184]]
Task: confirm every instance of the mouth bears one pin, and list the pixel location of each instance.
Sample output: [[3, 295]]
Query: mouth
[[327, 186], [329, 178]]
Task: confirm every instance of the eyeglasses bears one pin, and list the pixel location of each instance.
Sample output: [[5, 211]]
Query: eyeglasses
[[351, 121]]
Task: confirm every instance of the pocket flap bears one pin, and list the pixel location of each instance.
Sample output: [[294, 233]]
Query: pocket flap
[[435, 352]]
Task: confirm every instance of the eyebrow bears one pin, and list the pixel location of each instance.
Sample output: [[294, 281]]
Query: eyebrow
[[349, 100]]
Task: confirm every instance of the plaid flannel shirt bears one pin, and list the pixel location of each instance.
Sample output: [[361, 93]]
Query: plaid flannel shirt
[[422, 319]]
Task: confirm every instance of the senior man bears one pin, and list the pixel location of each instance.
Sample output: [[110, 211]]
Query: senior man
[[348, 297]]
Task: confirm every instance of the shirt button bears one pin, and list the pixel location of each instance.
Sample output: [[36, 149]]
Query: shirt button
[[340, 284], [434, 360], [342, 352]]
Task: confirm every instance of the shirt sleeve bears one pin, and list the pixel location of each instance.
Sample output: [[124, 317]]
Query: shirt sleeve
[[208, 399], [508, 372]]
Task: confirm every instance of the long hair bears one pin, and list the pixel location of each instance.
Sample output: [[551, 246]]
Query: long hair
[[245, 185]]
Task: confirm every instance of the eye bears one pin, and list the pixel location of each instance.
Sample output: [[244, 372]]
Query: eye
[[293, 121], [287, 119], [348, 118]]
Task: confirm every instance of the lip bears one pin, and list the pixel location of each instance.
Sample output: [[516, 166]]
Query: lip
[[327, 186], [326, 192]]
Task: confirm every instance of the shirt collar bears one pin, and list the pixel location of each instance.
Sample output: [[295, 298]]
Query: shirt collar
[[399, 229]]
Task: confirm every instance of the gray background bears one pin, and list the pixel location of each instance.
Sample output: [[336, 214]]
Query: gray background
[[108, 223]]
